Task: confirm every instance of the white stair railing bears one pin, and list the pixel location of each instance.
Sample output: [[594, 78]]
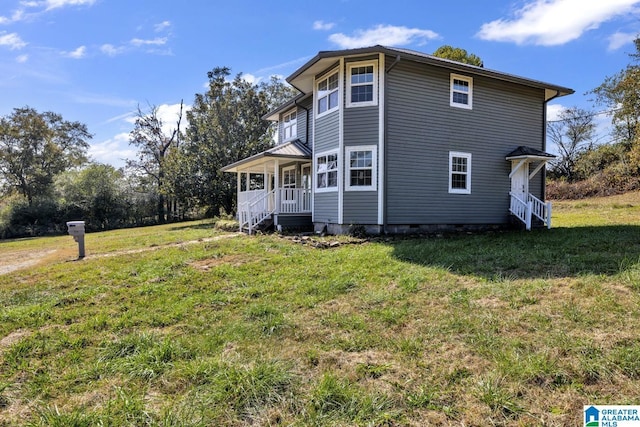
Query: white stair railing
[[541, 210], [257, 211], [521, 209], [525, 210]]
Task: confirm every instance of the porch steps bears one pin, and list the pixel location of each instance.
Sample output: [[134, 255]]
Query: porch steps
[[264, 225]]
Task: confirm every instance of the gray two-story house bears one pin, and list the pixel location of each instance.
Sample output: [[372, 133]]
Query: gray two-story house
[[396, 141]]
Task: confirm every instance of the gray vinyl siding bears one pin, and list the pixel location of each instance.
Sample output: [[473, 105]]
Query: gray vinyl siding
[[327, 132], [360, 128], [325, 207], [423, 129], [326, 138], [360, 207]]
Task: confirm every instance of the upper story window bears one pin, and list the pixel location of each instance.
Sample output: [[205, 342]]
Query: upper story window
[[459, 172], [461, 91], [290, 125], [327, 94], [362, 84], [361, 168], [327, 172]]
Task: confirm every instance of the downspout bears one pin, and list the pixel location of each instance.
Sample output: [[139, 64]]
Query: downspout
[[306, 141], [544, 142], [386, 145]]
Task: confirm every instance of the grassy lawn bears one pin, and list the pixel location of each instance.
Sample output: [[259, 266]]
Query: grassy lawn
[[515, 328]]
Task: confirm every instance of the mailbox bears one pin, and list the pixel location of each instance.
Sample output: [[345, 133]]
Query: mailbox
[[76, 229]]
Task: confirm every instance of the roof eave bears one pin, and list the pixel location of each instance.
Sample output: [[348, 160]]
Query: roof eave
[[302, 78]]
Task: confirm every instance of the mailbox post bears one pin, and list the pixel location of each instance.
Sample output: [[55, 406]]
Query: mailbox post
[[76, 229]]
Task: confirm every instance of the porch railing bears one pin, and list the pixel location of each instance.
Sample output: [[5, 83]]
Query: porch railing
[[255, 206], [526, 210], [294, 200]]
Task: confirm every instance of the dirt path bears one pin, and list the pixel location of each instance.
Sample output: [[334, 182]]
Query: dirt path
[[18, 260]]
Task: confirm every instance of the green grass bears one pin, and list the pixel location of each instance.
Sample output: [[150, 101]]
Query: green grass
[[508, 328]]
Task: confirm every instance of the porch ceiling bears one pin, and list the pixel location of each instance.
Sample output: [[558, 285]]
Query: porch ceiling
[[290, 151]]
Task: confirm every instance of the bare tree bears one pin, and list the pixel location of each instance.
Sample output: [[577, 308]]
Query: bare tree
[[154, 147], [572, 134]]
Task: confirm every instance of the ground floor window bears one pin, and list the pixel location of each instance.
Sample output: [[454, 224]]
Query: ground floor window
[[327, 171], [361, 168], [459, 172]]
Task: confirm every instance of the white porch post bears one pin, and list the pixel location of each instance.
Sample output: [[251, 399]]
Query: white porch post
[[276, 183]]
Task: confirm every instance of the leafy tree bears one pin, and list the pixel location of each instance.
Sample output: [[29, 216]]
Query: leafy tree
[[96, 194], [225, 125], [620, 94], [35, 147], [572, 134], [458, 54], [153, 150]]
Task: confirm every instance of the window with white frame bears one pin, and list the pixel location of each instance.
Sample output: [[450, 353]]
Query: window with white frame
[[361, 168], [290, 125], [327, 171], [459, 172], [327, 93], [362, 84], [461, 91], [289, 177]]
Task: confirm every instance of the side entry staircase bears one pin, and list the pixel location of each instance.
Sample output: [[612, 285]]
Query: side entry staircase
[[256, 213], [530, 208]]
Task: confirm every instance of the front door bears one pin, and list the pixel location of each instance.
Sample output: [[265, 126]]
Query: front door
[[520, 180]]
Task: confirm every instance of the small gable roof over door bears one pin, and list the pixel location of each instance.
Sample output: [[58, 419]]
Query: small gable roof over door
[[524, 152]]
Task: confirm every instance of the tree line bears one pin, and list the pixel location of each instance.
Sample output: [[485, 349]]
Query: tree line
[[46, 177], [591, 164]]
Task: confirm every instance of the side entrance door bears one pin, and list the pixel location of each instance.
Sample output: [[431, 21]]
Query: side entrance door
[[520, 180]]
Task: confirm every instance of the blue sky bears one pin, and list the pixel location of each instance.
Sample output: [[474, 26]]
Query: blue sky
[[95, 61]]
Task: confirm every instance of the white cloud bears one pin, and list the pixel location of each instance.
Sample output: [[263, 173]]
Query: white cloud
[[18, 15], [12, 40], [387, 35], [323, 26], [162, 26], [79, 53], [111, 50], [55, 4], [554, 111], [619, 39], [169, 113], [554, 22], [113, 150], [159, 41], [21, 59]]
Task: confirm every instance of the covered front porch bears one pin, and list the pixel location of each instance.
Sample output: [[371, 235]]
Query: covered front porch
[[274, 187]]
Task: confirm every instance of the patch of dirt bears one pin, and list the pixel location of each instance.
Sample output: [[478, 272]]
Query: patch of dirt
[[18, 260], [169, 245], [207, 264], [12, 338]]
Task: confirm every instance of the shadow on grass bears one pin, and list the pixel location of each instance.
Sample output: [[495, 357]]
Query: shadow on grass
[[202, 226], [560, 252]]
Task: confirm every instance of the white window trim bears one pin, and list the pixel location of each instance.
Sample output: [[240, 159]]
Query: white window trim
[[467, 156], [374, 101], [374, 168], [467, 79], [294, 126], [295, 176], [315, 93], [315, 179]]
